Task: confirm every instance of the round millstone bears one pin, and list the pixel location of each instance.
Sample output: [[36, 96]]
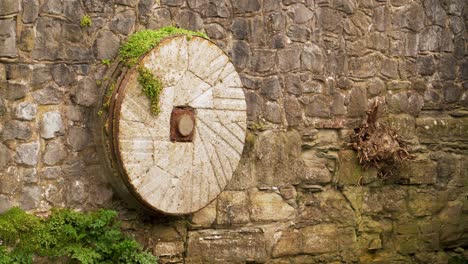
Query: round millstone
[[181, 177], [185, 125]]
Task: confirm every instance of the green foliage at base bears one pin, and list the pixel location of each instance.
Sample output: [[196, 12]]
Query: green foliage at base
[[151, 87], [79, 237], [142, 41], [86, 21]]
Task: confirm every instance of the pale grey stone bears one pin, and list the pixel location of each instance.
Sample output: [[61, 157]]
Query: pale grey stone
[[28, 175], [300, 13], [50, 95], [26, 111], [124, 22], [51, 173], [313, 59], [289, 59], [271, 88], [15, 129], [52, 125], [77, 138], [30, 11], [8, 39], [273, 112], [190, 20], [215, 31], [86, 92], [27, 153]]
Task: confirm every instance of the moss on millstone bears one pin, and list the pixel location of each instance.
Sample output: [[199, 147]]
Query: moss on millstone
[[142, 41], [151, 87]]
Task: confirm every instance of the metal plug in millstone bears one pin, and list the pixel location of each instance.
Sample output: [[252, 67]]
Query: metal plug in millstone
[[182, 124]]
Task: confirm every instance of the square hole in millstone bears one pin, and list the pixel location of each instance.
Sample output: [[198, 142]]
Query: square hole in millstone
[[182, 124]]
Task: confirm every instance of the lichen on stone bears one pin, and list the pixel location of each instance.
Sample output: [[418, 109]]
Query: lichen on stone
[[86, 21], [142, 41]]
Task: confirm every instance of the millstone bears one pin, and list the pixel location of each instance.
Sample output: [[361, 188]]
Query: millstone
[[162, 173]]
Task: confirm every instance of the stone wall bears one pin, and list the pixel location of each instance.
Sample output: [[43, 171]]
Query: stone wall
[[310, 69]]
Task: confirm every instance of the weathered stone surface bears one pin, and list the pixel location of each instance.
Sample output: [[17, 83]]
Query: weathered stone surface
[[190, 20], [271, 88], [50, 95], [357, 105], [273, 112], [206, 216], [16, 130], [240, 54], [161, 18], [27, 39], [423, 202], [30, 10], [54, 153], [246, 6], [435, 12], [52, 125], [232, 208], [123, 22], [106, 45], [29, 175], [225, 246], [269, 206], [293, 110], [441, 130], [31, 197], [5, 156], [298, 33], [364, 67], [8, 33], [27, 153], [78, 138], [327, 238], [451, 92], [288, 244], [240, 28], [86, 92], [300, 14], [263, 60], [406, 102], [317, 106], [77, 192], [425, 65], [421, 172], [312, 58], [63, 74], [215, 31], [289, 59], [9, 7], [277, 158], [5, 204], [26, 111]]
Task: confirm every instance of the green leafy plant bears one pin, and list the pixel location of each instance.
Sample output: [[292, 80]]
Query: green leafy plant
[[86, 21], [142, 41], [106, 62], [78, 237], [151, 87]]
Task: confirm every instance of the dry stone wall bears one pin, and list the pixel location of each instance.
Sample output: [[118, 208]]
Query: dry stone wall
[[309, 69]]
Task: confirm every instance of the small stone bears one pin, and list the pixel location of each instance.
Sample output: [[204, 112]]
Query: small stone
[[293, 111], [14, 129], [240, 54], [206, 216], [62, 74], [425, 65], [240, 28], [246, 6], [357, 105], [293, 84], [77, 192], [338, 106], [232, 208], [50, 95], [389, 68], [31, 197], [430, 39], [130, 3], [317, 106], [271, 88], [27, 153], [8, 33], [30, 11], [452, 92], [447, 67], [40, 74], [52, 125], [26, 111], [27, 38], [190, 20], [54, 153], [298, 33], [173, 2], [289, 59], [86, 92], [78, 138], [269, 207], [375, 87], [278, 21], [435, 12], [263, 60], [161, 18], [364, 67], [215, 31], [123, 22], [106, 45], [8, 7], [5, 156], [51, 173], [254, 105], [273, 112], [5, 204], [300, 13], [347, 6]]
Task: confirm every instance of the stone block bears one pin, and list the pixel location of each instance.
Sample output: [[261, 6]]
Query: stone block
[[26, 111], [418, 172], [246, 6], [86, 92], [268, 206], [317, 106], [123, 22], [263, 60], [226, 246], [190, 20], [293, 111], [50, 95], [313, 58], [442, 130], [14, 129], [365, 67], [30, 11], [8, 33], [27, 39], [27, 153], [78, 138], [168, 249], [289, 59], [271, 88], [5, 156], [30, 197], [52, 125], [54, 153], [63, 74], [106, 45], [232, 208], [5, 204], [205, 217], [288, 244], [273, 112], [328, 238], [425, 202]]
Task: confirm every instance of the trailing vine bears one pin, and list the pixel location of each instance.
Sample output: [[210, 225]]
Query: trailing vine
[[151, 87], [78, 237]]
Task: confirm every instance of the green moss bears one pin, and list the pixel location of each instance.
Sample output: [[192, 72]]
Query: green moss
[[151, 87], [86, 21], [142, 41], [79, 237], [108, 96], [106, 62]]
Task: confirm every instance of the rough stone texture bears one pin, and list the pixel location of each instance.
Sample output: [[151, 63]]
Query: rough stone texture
[[51, 125], [309, 70]]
